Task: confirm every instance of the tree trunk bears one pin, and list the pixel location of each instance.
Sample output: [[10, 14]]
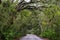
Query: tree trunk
[[0, 1]]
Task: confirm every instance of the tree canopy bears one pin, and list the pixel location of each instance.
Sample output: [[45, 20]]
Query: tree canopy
[[39, 17]]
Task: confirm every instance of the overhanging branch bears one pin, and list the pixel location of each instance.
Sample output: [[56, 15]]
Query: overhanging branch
[[31, 5]]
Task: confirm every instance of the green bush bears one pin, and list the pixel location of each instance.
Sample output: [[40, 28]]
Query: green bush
[[7, 32], [48, 34]]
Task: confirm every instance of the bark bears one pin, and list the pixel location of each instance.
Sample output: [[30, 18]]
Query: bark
[[0, 1]]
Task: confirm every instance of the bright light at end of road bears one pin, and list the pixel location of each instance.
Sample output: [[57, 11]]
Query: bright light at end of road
[[27, 0]]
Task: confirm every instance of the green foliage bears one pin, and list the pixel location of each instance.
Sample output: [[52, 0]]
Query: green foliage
[[52, 14], [48, 34], [44, 23], [6, 12]]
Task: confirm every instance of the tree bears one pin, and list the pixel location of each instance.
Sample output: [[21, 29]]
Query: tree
[[0, 1], [40, 17]]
